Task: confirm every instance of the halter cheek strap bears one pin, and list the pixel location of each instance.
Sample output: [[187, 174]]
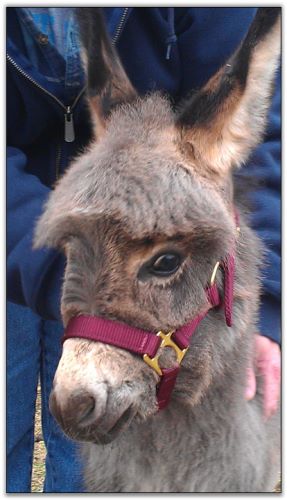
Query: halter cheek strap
[[148, 344]]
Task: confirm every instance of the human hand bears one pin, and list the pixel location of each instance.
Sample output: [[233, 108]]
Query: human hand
[[267, 360]]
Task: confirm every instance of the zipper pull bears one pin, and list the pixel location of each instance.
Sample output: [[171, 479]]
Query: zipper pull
[[69, 126]]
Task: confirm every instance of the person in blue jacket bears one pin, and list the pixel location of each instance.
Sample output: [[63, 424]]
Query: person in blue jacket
[[162, 48]]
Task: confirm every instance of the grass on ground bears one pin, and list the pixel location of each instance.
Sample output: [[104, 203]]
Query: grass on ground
[[38, 470]]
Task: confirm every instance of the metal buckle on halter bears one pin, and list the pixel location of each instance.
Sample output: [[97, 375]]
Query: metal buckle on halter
[[213, 276], [166, 342]]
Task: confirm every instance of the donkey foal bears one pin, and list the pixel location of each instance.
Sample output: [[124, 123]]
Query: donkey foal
[[143, 217]]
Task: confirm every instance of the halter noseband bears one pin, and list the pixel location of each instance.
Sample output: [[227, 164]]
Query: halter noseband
[[147, 344]]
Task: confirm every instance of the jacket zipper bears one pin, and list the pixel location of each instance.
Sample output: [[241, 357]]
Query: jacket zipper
[[120, 26], [69, 131], [69, 124], [68, 115]]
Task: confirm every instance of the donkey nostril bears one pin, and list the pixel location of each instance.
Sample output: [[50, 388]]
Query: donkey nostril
[[85, 410], [77, 409]]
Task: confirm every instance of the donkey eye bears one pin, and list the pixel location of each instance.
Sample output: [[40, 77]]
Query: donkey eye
[[165, 264]]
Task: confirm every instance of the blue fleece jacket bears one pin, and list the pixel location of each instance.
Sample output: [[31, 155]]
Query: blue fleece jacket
[[175, 50]]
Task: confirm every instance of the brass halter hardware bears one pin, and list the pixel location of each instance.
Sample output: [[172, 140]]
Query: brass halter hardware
[[213, 276], [166, 342]]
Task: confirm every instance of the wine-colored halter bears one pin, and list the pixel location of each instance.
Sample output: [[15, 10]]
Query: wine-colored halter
[[147, 344]]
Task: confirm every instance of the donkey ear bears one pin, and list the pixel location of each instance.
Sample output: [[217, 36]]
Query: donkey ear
[[61, 217], [108, 84], [225, 120], [53, 229]]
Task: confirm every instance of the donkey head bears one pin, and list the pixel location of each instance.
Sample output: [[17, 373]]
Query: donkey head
[[143, 216]]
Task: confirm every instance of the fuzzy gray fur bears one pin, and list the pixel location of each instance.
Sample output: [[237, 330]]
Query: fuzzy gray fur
[[140, 189]]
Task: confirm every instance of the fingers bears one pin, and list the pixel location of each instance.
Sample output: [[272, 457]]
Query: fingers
[[267, 359], [250, 389], [268, 362]]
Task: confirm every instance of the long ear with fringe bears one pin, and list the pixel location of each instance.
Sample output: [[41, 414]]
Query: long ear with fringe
[[225, 120], [108, 84]]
